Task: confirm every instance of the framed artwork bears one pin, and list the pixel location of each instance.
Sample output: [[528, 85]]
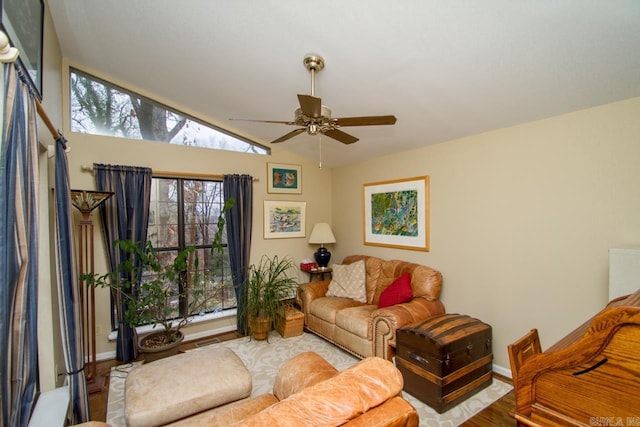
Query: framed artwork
[[284, 219], [283, 178], [22, 21], [396, 213]]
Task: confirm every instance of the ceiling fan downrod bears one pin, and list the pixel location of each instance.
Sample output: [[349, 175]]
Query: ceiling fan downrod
[[314, 63]]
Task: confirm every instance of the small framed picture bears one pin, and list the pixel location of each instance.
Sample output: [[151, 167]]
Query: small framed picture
[[396, 213], [283, 178], [283, 219]]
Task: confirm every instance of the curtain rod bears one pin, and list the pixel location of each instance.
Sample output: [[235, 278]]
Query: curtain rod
[[172, 174], [10, 54], [55, 132]]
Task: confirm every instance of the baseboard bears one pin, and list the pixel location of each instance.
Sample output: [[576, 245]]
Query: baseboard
[[108, 355], [506, 372]]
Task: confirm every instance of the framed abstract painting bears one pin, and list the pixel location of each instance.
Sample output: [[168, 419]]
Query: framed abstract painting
[[396, 213], [284, 219], [283, 178]]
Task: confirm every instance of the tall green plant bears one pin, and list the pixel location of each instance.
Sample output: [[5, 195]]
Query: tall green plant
[[270, 283]]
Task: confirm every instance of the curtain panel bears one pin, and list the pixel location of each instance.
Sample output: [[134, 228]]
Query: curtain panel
[[125, 216], [69, 292], [239, 219], [19, 177]]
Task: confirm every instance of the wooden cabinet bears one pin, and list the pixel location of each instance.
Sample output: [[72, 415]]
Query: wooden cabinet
[[589, 377]]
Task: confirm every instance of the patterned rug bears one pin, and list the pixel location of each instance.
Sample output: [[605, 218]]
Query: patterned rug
[[263, 359]]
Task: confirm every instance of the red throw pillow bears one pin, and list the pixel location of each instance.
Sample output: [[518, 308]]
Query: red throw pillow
[[398, 292]]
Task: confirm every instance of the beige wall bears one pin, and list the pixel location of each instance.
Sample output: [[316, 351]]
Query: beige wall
[[89, 149], [86, 149], [521, 218]]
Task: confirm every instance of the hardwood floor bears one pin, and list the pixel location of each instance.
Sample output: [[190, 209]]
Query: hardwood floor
[[495, 415]]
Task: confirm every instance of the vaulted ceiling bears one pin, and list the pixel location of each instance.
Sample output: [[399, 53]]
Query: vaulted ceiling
[[445, 69]]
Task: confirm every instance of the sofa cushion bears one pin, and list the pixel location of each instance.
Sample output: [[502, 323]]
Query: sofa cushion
[[356, 320], [326, 308], [223, 416], [372, 265], [398, 292], [348, 281], [337, 400], [168, 389]]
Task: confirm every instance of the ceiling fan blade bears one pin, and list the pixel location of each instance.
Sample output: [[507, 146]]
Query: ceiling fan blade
[[366, 121], [289, 135], [310, 105], [343, 137], [266, 121]]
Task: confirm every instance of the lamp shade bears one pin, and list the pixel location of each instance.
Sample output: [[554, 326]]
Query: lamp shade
[[321, 234]]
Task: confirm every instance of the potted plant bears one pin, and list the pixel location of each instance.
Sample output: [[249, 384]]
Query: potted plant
[[156, 297], [268, 288]]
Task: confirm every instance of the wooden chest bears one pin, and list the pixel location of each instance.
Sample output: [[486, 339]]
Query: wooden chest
[[445, 359]]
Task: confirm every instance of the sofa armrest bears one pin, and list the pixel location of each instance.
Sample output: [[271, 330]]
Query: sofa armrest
[[385, 322], [393, 412], [300, 372], [307, 292]]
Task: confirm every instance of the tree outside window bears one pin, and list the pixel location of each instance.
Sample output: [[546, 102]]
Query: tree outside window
[[102, 108], [183, 213]]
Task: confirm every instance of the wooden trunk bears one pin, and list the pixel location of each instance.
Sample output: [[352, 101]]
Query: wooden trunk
[[445, 359]]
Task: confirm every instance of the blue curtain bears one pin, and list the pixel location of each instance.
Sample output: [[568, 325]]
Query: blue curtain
[[125, 216], [238, 219], [18, 250], [69, 295]]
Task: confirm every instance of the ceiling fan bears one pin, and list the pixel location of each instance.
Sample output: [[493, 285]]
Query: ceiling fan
[[315, 118]]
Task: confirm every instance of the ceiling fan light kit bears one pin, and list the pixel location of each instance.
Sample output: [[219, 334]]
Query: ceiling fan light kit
[[315, 118]]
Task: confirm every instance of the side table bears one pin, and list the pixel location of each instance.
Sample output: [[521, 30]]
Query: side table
[[319, 272]]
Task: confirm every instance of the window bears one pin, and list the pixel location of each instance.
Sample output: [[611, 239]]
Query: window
[[183, 213], [101, 108]]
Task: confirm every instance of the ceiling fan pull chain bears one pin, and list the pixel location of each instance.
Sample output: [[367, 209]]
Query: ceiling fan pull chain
[[320, 150]]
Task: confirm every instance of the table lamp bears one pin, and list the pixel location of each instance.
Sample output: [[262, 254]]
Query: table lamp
[[322, 234]]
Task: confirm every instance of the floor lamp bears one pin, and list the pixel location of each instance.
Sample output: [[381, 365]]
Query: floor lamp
[[86, 201]]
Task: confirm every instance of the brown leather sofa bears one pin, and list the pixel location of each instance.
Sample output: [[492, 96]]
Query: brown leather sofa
[[363, 329], [309, 391]]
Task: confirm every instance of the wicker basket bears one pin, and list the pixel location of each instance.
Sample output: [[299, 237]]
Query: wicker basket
[[291, 323]]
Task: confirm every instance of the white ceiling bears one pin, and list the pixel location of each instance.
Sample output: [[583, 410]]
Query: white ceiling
[[446, 69]]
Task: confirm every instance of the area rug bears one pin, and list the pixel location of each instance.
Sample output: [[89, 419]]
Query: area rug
[[263, 359]]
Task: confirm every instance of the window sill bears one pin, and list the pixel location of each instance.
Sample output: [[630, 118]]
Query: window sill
[[194, 320]]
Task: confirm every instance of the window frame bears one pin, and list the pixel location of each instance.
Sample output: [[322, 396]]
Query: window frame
[[75, 70], [182, 244]]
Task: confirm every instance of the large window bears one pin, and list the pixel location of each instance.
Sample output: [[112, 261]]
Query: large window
[[183, 213], [102, 108]]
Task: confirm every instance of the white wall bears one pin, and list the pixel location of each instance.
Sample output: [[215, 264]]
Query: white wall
[[521, 218]]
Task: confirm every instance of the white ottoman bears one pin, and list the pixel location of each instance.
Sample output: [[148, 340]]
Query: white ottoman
[[169, 389]]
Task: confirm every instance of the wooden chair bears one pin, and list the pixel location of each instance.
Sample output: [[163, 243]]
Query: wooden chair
[[521, 350]]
